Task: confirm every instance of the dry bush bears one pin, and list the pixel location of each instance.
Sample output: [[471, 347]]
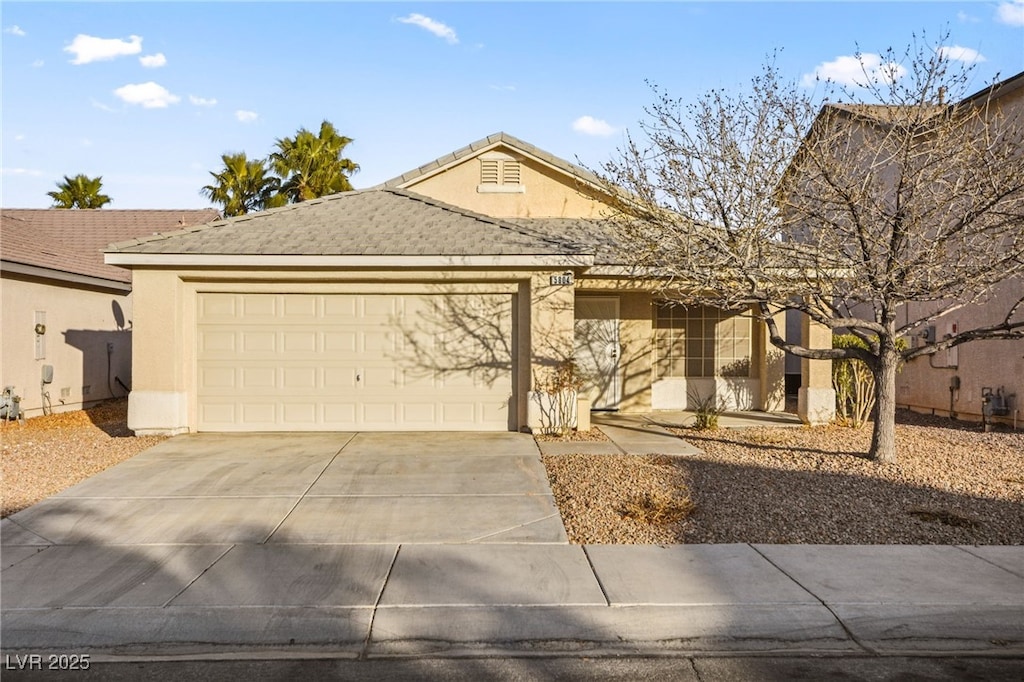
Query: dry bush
[[657, 508]]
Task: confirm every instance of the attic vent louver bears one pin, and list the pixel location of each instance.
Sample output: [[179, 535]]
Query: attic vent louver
[[500, 172]]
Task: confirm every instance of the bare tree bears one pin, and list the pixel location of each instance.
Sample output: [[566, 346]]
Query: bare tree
[[888, 198]]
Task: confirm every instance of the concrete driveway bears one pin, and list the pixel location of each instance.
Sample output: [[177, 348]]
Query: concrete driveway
[[336, 488]]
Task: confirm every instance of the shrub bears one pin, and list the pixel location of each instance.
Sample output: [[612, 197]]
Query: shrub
[[562, 383], [706, 410], [657, 508], [854, 382]]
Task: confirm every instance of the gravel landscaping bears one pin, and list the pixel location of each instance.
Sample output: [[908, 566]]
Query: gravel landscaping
[[49, 454], [953, 483]]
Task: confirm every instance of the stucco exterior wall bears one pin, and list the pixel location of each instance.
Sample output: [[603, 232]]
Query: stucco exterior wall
[[547, 193], [80, 323], [923, 385], [164, 366]]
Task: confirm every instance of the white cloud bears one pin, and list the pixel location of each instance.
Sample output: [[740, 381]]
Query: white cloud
[[153, 61], [21, 171], [15, 31], [956, 53], [19, 138], [148, 95], [1011, 13], [504, 88], [38, 64], [853, 71], [588, 125], [86, 142], [202, 101], [246, 116], [965, 18], [92, 49], [436, 27]]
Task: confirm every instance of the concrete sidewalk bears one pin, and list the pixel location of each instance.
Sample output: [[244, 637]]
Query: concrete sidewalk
[[284, 600]]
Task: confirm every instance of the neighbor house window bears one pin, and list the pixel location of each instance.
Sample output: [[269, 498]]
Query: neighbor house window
[[500, 173], [701, 341]]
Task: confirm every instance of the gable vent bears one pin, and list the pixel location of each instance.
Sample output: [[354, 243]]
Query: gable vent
[[490, 172], [510, 172], [500, 172]]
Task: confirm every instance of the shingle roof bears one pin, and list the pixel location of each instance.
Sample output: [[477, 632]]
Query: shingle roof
[[73, 240], [490, 142], [380, 222], [599, 237]]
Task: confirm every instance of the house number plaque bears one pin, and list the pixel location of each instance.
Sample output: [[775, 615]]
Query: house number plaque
[[561, 280]]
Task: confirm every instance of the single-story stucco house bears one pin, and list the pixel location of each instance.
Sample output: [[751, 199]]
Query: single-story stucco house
[[63, 308], [439, 300]]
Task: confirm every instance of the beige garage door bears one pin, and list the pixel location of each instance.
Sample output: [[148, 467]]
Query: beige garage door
[[323, 362]]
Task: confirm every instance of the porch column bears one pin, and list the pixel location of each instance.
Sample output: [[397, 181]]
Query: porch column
[[817, 399], [552, 315]]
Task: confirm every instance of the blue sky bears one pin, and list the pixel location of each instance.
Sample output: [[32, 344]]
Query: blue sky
[[149, 95]]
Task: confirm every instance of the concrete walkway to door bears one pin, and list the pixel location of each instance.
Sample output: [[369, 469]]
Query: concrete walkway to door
[[376, 545]]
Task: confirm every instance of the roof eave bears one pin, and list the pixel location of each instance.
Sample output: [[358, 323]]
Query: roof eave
[[517, 261], [64, 276]]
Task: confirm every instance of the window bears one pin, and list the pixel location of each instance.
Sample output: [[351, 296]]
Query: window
[[500, 173], [701, 341]]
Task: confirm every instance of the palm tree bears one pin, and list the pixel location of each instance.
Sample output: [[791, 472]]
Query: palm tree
[[243, 186], [79, 192], [312, 165]]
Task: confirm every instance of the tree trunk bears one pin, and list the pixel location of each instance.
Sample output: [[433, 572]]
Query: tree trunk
[[883, 430]]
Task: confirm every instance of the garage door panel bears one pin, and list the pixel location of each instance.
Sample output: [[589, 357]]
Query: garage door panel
[[218, 307], [415, 379], [380, 343], [458, 413], [340, 341], [379, 308], [299, 341], [301, 307], [344, 307], [335, 412], [300, 413], [218, 342], [259, 412], [422, 413], [339, 378], [300, 378], [221, 413], [215, 378], [254, 378], [255, 342], [380, 414], [256, 306], [340, 362]]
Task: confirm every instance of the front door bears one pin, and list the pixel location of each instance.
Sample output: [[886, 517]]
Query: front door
[[597, 349]]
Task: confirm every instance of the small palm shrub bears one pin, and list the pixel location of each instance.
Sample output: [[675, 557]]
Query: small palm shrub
[[706, 410]]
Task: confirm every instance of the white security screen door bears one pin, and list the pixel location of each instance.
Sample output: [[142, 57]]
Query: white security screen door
[[597, 349]]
